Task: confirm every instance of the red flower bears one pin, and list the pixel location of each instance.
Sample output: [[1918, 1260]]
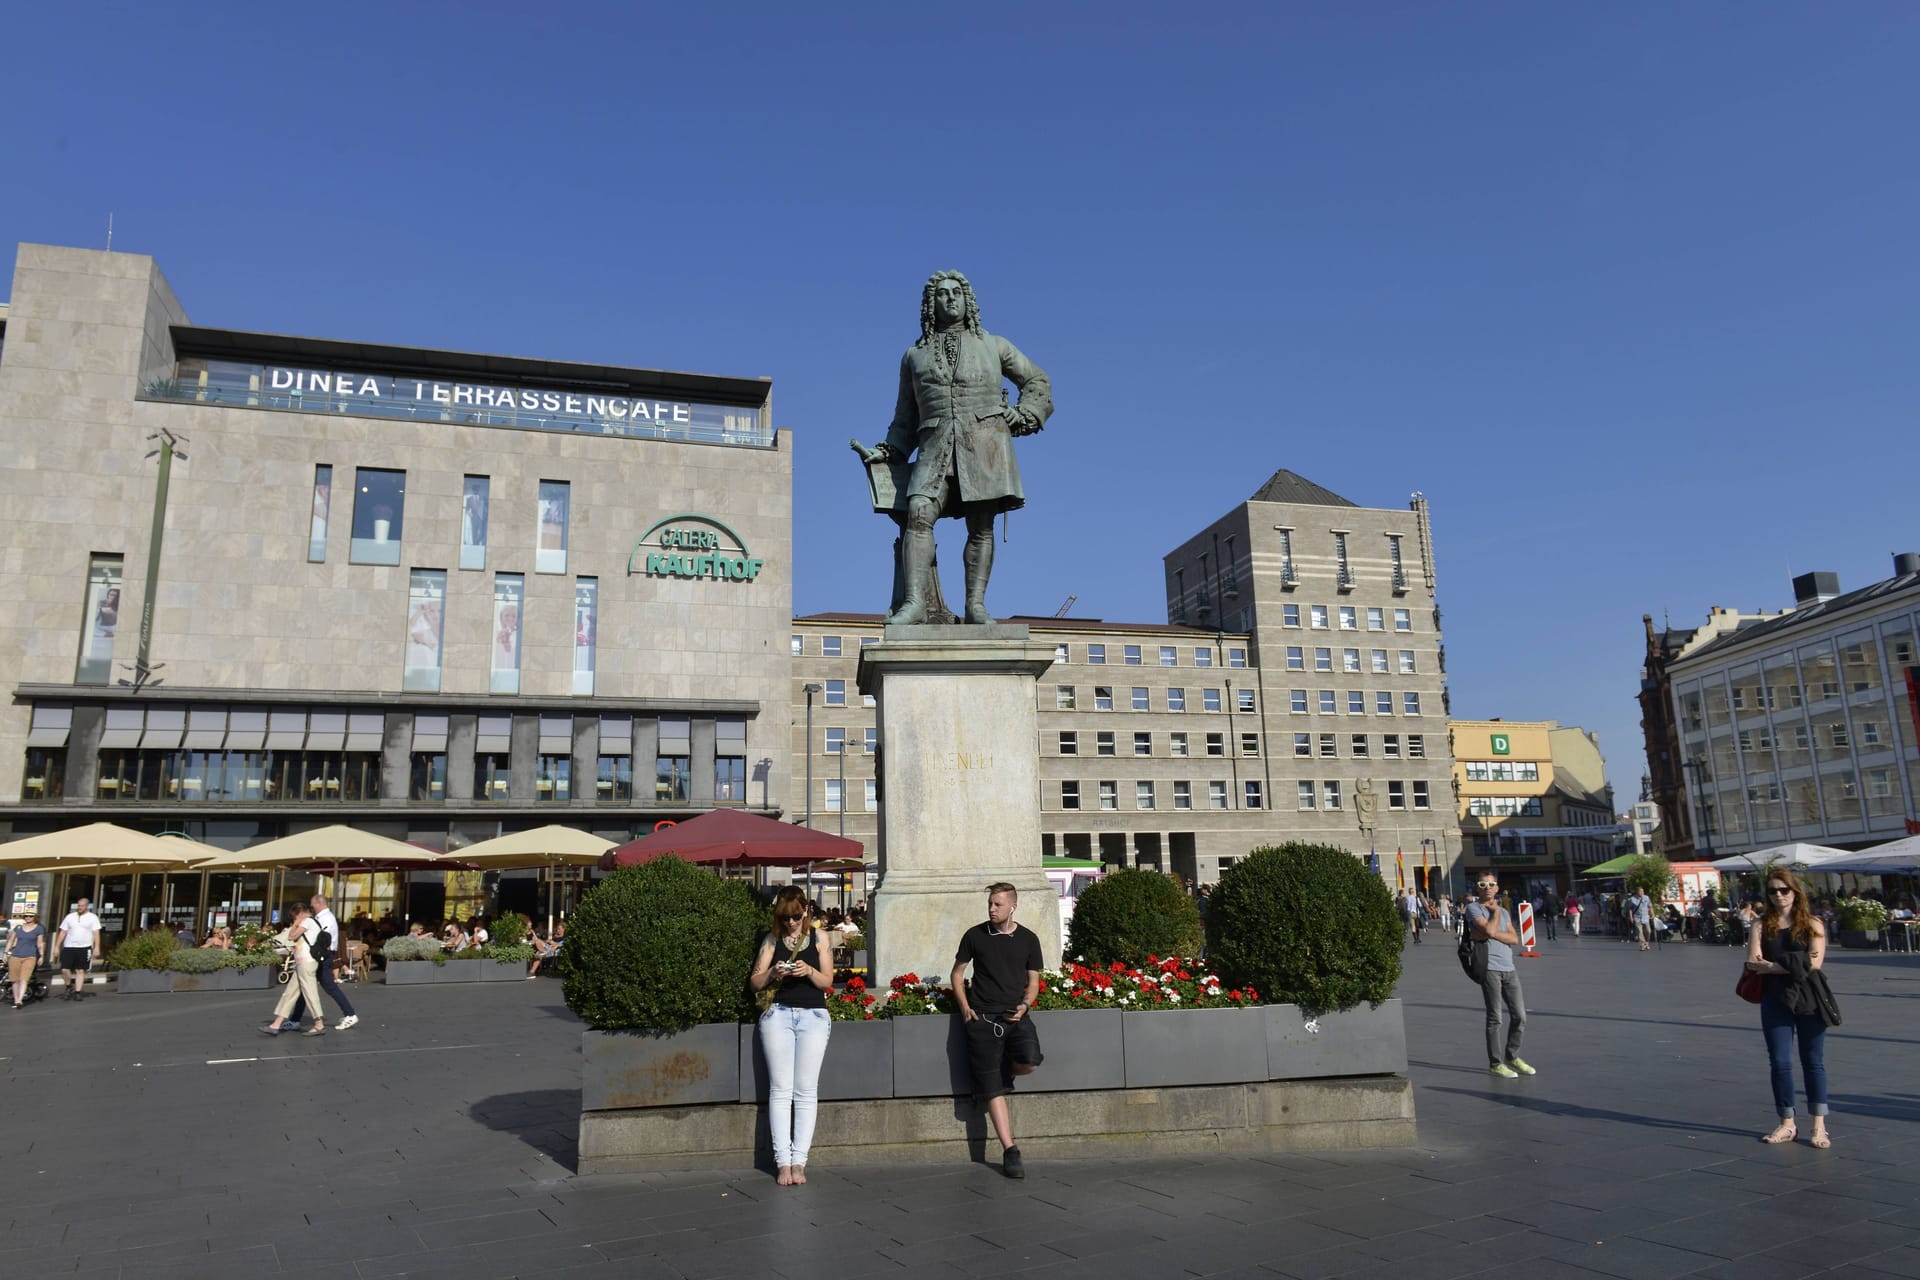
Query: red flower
[[856, 984], [1184, 976], [1234, 994]]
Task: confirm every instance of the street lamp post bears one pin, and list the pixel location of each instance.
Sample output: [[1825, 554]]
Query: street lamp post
[[810, 690], [843, 787]]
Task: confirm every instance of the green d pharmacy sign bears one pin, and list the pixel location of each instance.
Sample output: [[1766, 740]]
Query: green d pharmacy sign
[[690, 545], [1502, 746]]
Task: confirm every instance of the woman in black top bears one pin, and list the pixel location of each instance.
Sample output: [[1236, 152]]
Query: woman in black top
[[794, 1029], [1788, 945]]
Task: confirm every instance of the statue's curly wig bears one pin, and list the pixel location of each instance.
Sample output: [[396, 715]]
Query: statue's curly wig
[[971, 322]]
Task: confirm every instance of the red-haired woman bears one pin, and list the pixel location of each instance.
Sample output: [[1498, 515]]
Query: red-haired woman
[[1788, 946], [794, 1029]]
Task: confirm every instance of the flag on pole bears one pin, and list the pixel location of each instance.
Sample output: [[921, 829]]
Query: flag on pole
[[1425, 874], [1400, 867]]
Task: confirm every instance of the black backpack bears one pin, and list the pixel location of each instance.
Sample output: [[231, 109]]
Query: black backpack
[[1473, 955], [322, 944]]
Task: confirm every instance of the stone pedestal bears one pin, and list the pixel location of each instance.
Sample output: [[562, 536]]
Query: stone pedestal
[[959, 790]]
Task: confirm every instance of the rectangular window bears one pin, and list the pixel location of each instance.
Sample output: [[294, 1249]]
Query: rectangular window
[[1143, 744], [1420, 795], [1103, 744], [1410, 703], [1383, 703], [1169, 656], [1103, 697], [1360, 750], [1209, 699], [492, 776], [1131, 655], [834, 802], [1356, 702], [1406, 662], [835, 742], [672, 771], [867, 641], [1330, 795], [1069, 795], [586, 632], [1330, 745], [379, 512], [1236, 657], [1249, 744], [1349, 621], [1287, 572], [1376, 619], [836, 693], [322, 504], [873, 740], [1216, 795], [1069, 743], [1380, 667], [1203, 657], [1306, 795], [1341, 566], [1323, 659], [1303, 745], [1243, 698], [426, 617], [1402, 620], [1296, 658], [1297, 701], [1176, 744], [614, 773], [550, 553], [1096, 655], [1317, 616], [798, 646], [1216, 744], [1396, 795], [729, 760], [1327, 705], [474, 500], [1109, 795], [1350, 661], [100, 622], [1063, 699], [829, 646], [509, 594], [1399, 569], [1176, 699], [1143, 795], [1060, 653], [427, 775], [1390, 746], [873, 795], [553, 780], [1253, 795], [1416, 746], [1140, 699], [1289, 615], [1183, 795]]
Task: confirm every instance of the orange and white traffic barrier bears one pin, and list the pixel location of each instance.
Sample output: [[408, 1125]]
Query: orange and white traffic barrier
[[1526, 932]]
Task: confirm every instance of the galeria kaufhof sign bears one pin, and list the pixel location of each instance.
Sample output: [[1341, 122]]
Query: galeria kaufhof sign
[[690, 545], [539, 408]]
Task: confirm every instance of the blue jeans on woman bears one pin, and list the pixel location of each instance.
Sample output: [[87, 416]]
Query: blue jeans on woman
[[794, 1040], [1781, 1027]]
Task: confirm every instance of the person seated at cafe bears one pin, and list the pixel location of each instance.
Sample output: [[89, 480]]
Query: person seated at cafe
[[220, 939], [480, 936], [456, 937], [544, 949]]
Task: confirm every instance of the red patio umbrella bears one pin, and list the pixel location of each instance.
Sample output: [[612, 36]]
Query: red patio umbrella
[[734, 837]]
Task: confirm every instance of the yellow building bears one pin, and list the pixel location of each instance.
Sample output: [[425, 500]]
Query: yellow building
[[1533, 801]]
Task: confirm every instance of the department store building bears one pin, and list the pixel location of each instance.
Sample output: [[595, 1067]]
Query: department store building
[[259, 582]]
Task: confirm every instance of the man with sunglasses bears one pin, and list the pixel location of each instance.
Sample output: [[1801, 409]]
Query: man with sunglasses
[[1493, 928], [996, 1010]]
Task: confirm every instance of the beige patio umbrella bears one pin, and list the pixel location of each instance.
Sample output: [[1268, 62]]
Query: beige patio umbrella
[[553, 845], [334, 846], [100, 849]]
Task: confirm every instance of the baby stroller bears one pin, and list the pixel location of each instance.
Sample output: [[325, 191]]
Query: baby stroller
[[36, 990]]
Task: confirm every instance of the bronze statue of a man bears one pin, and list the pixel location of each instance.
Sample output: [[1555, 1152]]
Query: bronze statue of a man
[[955, 423]]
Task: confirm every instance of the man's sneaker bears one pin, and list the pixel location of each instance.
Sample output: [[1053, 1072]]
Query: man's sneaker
[[353, 1019], [1012, 1164], [1521, 1067], [1504, 1071]]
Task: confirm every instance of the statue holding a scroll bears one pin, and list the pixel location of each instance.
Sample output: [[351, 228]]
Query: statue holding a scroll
[[954, 425]]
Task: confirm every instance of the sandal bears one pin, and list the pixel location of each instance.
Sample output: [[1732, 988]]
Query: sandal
[[1822, 1140], [1785, 1133]]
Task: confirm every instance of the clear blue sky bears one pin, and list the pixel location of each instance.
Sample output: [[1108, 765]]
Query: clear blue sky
[[1627, 289]]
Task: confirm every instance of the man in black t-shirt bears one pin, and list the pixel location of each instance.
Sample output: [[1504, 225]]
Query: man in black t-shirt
[[997, 1009]]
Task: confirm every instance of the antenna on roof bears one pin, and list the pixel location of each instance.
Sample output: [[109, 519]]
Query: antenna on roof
[[1061, 612], [109, 231]]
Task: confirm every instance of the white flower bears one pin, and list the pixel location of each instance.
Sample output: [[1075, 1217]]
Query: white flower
[[1173, 996]]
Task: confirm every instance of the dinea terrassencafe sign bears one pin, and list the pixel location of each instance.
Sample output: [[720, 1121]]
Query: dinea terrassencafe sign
[[693, 546]]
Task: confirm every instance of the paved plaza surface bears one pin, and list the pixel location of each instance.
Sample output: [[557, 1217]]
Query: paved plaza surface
[[156, 1136]]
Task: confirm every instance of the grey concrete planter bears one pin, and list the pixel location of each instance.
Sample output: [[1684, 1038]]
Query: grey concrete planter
[[859, 1062], [626, 1069], [1194, 1046], [503, 971], [1361, 1041], [143, 981], [401, 972], [258, 978], [929, 1057], [1082, 1047], [1859, 939]]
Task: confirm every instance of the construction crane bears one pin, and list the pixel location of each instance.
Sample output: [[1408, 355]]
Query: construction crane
[[1061, 612]]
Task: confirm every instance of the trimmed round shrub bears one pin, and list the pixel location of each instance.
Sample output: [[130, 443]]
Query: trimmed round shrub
[[1131, 914], [662, 947], [408, 948], [147, 950], [194, 960], [1305, 924]]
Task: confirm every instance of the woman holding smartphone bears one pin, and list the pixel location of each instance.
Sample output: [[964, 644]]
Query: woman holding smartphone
[[1787, 946], [794, 1029]]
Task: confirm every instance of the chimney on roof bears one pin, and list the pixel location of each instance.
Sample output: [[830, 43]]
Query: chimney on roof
[[1814, 588], [1905, 562]]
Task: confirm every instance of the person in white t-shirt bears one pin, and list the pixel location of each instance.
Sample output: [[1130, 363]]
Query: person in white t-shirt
[[329, 925], [79, 945], [301, 936]]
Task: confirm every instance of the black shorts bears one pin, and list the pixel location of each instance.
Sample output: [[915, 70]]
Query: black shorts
[[76, 958], [994, 1044]]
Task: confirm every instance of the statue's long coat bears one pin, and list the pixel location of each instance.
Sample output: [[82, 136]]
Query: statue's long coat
[[958, 420]]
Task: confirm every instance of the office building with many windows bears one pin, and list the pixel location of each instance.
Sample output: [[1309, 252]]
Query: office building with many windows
[[1533, 799], [259, 582], [1803, 727]]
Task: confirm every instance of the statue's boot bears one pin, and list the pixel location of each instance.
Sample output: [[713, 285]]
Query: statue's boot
[[979, 561], [916, 559]]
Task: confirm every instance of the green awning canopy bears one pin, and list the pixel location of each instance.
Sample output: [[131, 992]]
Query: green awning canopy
[[1612, 867]]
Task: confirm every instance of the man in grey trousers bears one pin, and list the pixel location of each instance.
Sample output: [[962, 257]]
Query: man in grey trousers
[[1493, 928]]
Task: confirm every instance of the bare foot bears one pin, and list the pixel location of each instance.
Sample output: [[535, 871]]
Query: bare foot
[[800, 1174], [1820, 1138], [1785, 1133], [786, 1176]]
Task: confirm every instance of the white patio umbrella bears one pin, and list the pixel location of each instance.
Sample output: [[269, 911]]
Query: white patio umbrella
[[553, 845], [1795, 857], [1895, 857]]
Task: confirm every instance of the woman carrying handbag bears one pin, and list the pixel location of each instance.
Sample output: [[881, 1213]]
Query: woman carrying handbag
[[1786, 949], [794, 972]]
